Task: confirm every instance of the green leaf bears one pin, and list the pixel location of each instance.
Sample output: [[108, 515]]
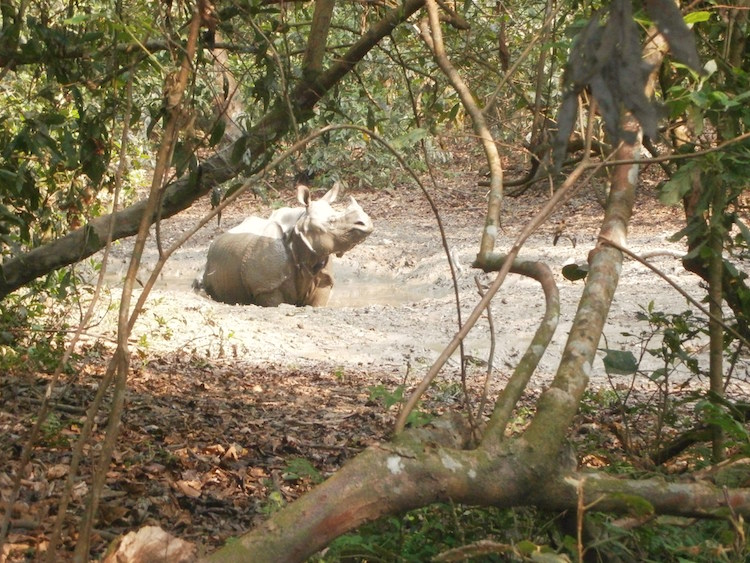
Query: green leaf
[[575, 272], [300, 468], [409, 139], [741, 97], [677, 187], [7, 218], [91, 237], [184, 158], [217, 133], [636, 504], [238, 150], [544, 557], [78, 19], [697, 17], [619, 362], [526, 547], [154, 121], [389, 398], [418, 418], [658, 374], [65, 283], [744, 230], [8, 180]]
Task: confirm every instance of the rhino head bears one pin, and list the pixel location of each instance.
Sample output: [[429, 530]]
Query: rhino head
[[325, 230]]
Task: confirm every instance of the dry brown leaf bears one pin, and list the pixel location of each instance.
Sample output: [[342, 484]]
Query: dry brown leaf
[[216, 449], [189, 488], [109, 513], [10, 548], [154, 468], [80, 490], [231, 454], [258, 472], [152, 544], [57, 471]]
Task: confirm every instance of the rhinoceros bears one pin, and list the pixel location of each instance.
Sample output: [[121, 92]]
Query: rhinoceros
[[285, 258]]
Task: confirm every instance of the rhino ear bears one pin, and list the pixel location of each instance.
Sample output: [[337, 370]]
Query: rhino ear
[[333, 193], [303, 195]]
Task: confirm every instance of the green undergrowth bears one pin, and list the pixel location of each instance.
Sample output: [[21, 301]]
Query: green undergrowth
[[525, 534], [448, 532], [421, 535], [34, 325]]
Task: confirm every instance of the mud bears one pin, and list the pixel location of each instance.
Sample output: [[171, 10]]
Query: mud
[[393, 308]]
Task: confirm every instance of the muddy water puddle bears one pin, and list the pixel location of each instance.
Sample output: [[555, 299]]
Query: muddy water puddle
[[378, 289], [353, 287]]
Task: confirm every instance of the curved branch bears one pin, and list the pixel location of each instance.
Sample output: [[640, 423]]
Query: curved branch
[[433, 37], [564, 193], [432, 464], [384, 479], [691, 498], [515, 386], [559, 404]]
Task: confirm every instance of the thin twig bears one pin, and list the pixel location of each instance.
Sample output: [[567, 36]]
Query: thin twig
[[44, 409], [562, 195], [433, 38], [521, 58], [516, 384], [451, 264], [674, 284], [490, 355], [174, 93]]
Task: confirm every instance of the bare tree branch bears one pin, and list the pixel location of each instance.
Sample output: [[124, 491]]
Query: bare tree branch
[[433, 37], [432, 464]]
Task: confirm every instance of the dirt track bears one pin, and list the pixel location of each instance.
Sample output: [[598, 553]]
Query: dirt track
[[393, 306]]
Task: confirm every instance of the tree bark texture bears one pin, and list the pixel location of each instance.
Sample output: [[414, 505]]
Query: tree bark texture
[[559, 404], [182, 193]]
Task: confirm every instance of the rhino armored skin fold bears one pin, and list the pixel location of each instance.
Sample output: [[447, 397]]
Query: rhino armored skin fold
[[285, 258]]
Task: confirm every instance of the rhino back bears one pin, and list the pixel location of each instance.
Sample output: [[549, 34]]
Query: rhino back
[[222, 278], [265, 265], [287, 217], [246, 263], [256, 226]]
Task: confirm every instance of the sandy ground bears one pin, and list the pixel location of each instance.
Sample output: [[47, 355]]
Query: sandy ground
[[393, 308]]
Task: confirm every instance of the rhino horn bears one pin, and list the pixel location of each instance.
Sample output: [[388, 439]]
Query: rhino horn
[[303, 195], [333, 193]]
